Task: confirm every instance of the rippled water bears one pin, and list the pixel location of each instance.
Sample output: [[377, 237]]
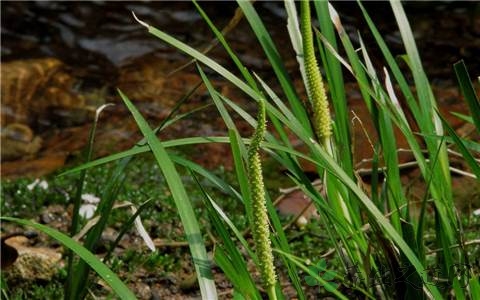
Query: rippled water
[[101, 42], [98, 37]]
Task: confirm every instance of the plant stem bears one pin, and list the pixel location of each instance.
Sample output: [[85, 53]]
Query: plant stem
[[272, 295]]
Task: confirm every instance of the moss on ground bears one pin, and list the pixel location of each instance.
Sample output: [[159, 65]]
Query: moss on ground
[[144, 181]]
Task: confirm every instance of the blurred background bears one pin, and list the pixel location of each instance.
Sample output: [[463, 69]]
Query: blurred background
[[61, 60]]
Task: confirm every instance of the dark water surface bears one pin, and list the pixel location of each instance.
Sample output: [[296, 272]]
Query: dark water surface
[[104, 47], [99, 37]]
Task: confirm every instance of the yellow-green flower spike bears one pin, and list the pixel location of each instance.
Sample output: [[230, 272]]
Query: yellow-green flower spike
[[316, 89], [260, 227]]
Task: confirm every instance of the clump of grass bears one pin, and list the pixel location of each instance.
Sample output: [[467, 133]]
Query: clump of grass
[[392, 230]]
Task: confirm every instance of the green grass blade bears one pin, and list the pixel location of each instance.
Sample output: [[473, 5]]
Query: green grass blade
[[275, 60], [143, 149], [398, 74], [221, 70], [293, 27], [201, 58], [238, 278], [430, 122], [377, 216], [77, 202], [184, 207], [468, 92], [238, 149], [171, 118], [125, 227], [103, 271], [218, 182], [239, 153], [315, 275], [293, 122], [246, 75], [333, 72], [109, 195], [218, 103], [470, 145], [228, 255], [463, 117], [388, 141], [469, 159], [475, 287], [235, 231]]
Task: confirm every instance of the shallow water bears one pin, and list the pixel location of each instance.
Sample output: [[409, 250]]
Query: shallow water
[[105, 48], [102, 36]]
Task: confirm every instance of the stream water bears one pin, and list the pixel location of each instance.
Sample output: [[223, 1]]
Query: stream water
[[103, 48], [102, 36]]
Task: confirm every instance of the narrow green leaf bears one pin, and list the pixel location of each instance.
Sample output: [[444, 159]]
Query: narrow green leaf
[[184, 207], [388, 229], [472, 163], [275, 60], [110, 278], [468, 92], [228, 255]]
